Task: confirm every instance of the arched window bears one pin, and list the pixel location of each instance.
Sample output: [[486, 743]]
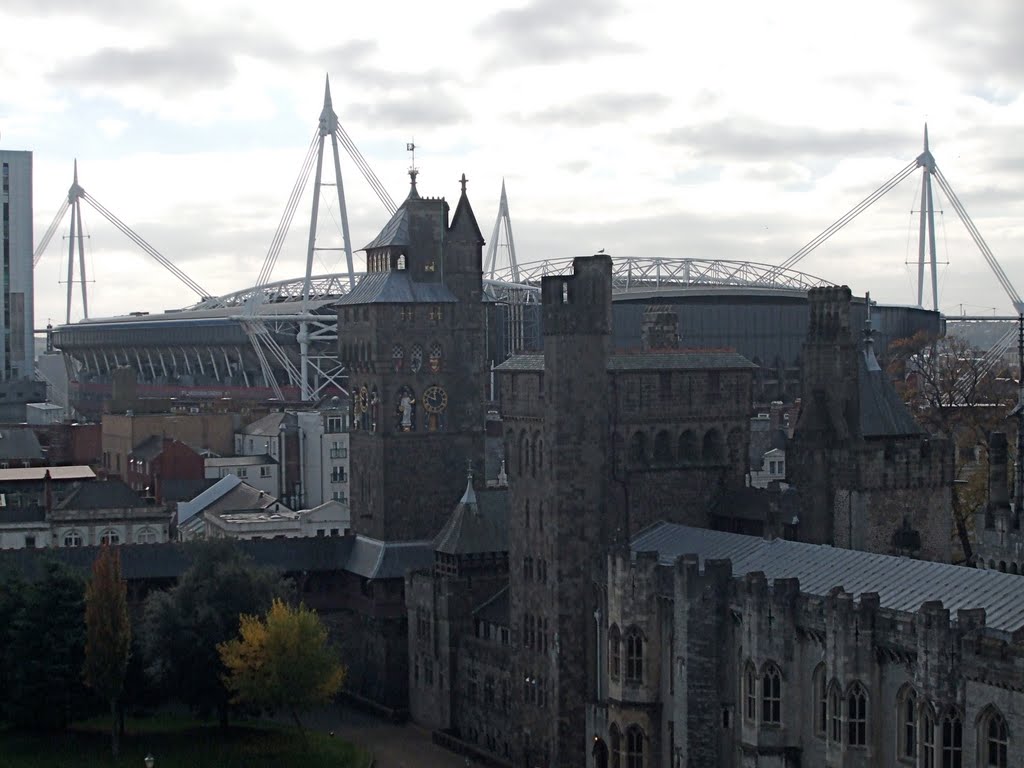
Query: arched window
[[906, 703], [713, 450], [146, 535], [749, 692], [614, 652], [524, 454], [835, 708], [994, 739], [72, 539], [771, 695], [634, 655], [820, 699], [927, 759], [110, 536], [397, 357], [638, 449], [615, 744], [663, 448], [535, 458], [416, 358], [688, 449], [953, 741], [540, 456], [634, 747], [857, 716]]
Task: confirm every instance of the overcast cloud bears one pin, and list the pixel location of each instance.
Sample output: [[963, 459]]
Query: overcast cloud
[[729, 130]]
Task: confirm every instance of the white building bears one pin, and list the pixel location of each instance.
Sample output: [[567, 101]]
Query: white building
[[773, 467], [261, 472], [17, 351]]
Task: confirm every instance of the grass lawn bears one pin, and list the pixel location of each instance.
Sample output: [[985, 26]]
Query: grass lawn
[[178, 743]]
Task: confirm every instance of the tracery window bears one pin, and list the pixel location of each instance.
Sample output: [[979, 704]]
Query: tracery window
[[927, 759], [749, 692], [614, 652], [952, 741], [416, 358], [820, 700], [907, 704], [857, 716], [634, 747], [634, 656], [835, 703], [995, 740], [397, 357], [771, 695]]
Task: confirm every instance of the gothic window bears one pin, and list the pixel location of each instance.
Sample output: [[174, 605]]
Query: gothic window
[[820, 686], [749, 692], [712, 449], [397, 357], [434, 361], [638, 449], [857, 716], [535, 458], [662, 448], [416, 358], [524, 454], [771, 695], [927, 759], [72, 539], [688, 450], [995, 740], [615, 745], [634, 747], [835, 708], [110, 536], [614, 652], [540, 455], [907, 734], [634, 656], [952, 741]]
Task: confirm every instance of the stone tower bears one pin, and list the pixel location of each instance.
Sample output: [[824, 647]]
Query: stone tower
[[558, 520], [411, 334]]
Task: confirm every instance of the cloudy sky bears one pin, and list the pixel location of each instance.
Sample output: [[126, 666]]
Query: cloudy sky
[[733, 130]]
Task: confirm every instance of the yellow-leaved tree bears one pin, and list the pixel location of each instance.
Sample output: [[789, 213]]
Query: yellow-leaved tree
[[282, 662]]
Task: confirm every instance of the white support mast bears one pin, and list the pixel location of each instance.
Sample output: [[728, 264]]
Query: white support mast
[[503, 223], [74, 200]]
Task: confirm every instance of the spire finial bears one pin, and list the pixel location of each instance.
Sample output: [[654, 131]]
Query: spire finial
[[463, 181], [469, 497]]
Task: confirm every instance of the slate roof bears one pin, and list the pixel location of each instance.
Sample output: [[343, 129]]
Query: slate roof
[[184, 490], [149, 448], [674, 360], [396, 287], [395, 232], [189, 509], [477, 525], [496, 610], [104, 494], [19, 443], [244, 498], [30, 514], [369, 558], [902, 584], [268, 426], [882, 412], [240, 461]]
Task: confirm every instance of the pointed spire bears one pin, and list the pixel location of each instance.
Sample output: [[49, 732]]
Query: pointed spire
[[469, 497], [413, 192], [75, 191], [327, 90], [463, 181]]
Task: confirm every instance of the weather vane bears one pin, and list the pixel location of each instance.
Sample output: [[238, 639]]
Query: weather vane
[[410, 147]]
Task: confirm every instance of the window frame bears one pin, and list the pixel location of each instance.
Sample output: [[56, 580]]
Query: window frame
[[857, 715], [771, 694]]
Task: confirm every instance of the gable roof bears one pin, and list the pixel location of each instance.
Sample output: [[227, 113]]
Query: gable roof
[[102, 494], [464, 221], [19, 443], [189, 509], [902, 584]]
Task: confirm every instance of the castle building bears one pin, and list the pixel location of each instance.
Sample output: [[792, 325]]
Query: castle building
[[870, 477], [412, 337], [730, 650]]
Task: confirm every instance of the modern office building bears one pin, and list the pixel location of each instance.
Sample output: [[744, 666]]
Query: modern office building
[[17, 351]]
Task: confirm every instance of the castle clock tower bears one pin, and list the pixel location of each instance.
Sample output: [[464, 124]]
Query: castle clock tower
[[411, 335]]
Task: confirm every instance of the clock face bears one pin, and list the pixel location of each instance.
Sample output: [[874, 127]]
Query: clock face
[[435, 399]]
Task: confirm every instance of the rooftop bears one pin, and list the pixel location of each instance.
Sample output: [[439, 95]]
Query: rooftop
[[396, 287], [21, 474], [902, 584], [670, 360]]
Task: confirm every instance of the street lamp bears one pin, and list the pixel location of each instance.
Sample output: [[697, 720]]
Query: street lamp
[[149, 761]]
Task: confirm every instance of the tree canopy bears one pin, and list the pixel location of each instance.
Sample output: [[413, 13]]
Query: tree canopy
[[282, 662], [182, 627], [108, 633]]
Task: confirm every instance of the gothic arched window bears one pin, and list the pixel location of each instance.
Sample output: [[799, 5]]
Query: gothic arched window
[[416, 358], [397, 357], [952, 741], [615, 745], [634, 655], [771, 695], [857, 716], [634, 747], [835, 709], [614, 652], [749, 692], [994, 739], [434, 361], [907, 734], [820, 699]]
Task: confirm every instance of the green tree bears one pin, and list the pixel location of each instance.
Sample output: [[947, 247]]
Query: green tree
[[48, 646], [182, 627], [108, 634], [12, 602], [282, 662]]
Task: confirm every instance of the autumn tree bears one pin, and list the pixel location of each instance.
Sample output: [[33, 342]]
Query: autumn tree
[[108, 634], [282, 662], [951, 389], [182, 627]]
